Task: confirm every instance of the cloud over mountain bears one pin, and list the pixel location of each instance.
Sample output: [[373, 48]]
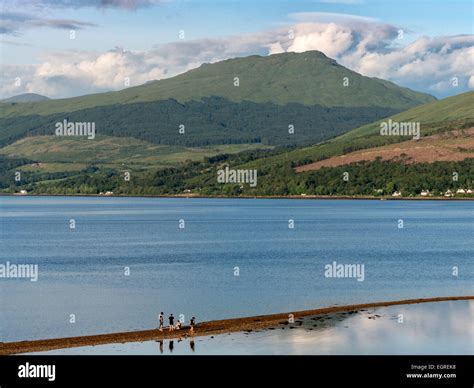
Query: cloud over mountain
[[440, 65]]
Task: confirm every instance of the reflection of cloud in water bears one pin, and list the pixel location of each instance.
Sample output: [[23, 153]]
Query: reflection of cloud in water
[[430, 328]]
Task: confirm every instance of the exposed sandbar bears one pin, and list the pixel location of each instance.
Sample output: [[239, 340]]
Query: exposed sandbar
[[202, 329]]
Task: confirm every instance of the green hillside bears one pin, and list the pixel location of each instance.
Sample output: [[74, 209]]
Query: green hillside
[[278, 177], [276, 168], [210, 121], [53, 153], [25, 97], [307, 78], [456, 110]]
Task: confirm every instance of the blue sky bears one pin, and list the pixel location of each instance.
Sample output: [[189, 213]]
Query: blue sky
[[44, 34], [141, 28]]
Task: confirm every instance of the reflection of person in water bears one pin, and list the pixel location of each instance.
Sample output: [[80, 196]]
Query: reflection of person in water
[[161, 346], [171, 346], [191, 344]]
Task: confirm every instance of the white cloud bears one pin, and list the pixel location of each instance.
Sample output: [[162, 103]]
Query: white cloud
[[12, 23], [471, 82], [58, 4], [364, 45], [428, 64], [328, 17]]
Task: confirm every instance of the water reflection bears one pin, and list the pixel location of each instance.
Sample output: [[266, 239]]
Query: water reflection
[[191, 341]]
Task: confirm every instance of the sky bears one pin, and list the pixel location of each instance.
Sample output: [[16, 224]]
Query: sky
[[66, 48]]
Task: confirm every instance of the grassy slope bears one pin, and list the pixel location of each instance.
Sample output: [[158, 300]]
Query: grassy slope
[[451, 112], [309, 78], [25, 97], [432, 116], [70, 154], [450, 146]]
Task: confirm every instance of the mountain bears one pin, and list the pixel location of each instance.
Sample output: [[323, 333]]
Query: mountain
[[137, 129], [25, 97], [308, 78], [304, 91]]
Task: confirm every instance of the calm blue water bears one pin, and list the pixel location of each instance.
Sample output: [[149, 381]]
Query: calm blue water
[[190, 271]]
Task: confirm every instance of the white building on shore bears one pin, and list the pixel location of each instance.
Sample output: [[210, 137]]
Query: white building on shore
[[448, 193]]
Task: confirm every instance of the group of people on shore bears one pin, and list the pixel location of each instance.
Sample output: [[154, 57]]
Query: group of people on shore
[[172, 326]]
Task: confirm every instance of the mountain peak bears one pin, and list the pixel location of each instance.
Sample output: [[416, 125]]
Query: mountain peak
[[308, 78], [25, 97]]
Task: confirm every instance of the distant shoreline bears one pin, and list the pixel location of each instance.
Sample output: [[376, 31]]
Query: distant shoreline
[[329, 197], [203, 329]]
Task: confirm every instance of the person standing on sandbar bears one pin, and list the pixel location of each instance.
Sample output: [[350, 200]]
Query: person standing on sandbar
[[171, 319], [161, 318]]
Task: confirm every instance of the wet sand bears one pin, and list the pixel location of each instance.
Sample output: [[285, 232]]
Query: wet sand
[[246, 324]]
